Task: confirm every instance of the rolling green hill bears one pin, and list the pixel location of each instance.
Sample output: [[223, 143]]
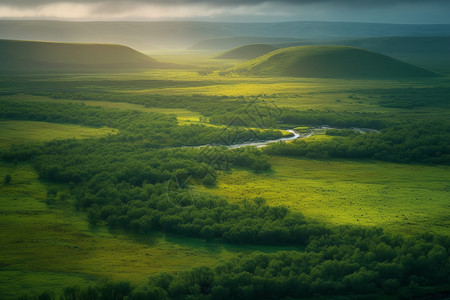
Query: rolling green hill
[[330, 62], [30, 56], [247, 51], [430, 52]]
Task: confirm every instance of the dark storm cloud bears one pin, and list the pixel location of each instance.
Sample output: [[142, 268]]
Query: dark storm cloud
[[225, 3]]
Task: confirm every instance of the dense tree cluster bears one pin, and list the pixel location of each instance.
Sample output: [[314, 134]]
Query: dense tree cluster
[[353, 262], [142, 190], [336, 119], [425, 142], [349, 261], [409, 97]]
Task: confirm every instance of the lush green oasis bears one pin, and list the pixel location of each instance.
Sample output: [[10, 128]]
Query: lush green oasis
[[108, 193]]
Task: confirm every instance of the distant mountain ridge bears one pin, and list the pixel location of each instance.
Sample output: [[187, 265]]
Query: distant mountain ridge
[[329, 62], [145, 36], [227, 43], [33, 56]]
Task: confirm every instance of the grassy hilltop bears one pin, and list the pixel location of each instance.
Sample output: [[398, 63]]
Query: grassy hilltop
[[430, 52], [31, 56], [330, 62]]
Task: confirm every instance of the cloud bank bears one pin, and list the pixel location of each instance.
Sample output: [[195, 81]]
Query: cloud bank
[[395, 11], [226, 3]]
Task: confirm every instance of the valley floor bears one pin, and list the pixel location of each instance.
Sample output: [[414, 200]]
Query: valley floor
[[47, 244]]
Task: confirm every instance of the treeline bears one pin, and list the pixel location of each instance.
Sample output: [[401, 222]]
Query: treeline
[[204, 104], [424, 142], [220, 110], [156, 129], [238, 111], [259, 117], [364, 263], [409, 97], [77, 114], [361, 262], [337, 119]]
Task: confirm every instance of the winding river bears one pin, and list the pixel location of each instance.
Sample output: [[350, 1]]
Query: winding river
[[260, 144], [296, 135]]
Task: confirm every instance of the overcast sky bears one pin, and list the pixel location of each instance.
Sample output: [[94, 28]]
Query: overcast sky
[[385, 11]]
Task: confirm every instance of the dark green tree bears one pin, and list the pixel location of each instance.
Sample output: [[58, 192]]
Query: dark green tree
[[7, 179]]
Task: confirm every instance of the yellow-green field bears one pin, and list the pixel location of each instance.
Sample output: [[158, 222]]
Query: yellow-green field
[[298, 93], [398, 197], [19, 132], [195, 59], [183, 115], [46, 247]]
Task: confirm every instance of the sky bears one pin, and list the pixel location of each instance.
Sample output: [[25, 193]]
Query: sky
[[377, 11]]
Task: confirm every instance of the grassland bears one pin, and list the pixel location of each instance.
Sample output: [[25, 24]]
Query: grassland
[[299, 93], [48, 246], [401, 198], [19, 132]]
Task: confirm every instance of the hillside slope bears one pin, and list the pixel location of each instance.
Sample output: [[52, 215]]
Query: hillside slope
[[330, 62], [247, 52], [30, 56]]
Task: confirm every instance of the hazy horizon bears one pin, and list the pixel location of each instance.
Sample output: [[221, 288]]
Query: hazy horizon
[[394, 12]]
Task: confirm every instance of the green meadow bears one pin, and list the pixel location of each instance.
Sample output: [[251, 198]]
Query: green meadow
[[19, 132], [410, 199]]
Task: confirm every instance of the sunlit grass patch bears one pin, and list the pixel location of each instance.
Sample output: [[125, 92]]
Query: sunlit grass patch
[[398, 197], [183, 115], [18, 132]]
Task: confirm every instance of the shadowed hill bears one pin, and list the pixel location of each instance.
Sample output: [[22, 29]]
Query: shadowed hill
[[427, 51], [247, 51], [431, 52], [30, 56], [330, 62]]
